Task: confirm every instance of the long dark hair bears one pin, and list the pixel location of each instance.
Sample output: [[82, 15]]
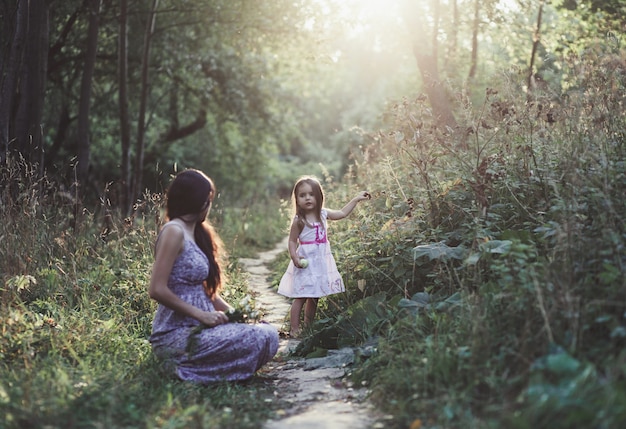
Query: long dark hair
[[318, 193], [192, 192]]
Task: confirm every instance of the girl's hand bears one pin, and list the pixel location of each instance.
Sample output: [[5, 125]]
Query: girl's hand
[[301, 263], [364, 195], [347, 209], [213, 318]]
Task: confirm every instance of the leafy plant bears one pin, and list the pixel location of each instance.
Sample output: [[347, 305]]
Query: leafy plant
[[76, 318]]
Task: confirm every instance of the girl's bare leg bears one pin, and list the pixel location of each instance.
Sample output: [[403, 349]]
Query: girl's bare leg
[[294, 315], [309, 311]]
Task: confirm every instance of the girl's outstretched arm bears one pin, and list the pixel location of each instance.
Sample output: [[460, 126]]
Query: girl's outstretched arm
[[347, 209]]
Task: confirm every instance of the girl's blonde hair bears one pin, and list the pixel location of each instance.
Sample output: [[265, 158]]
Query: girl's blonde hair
[[318, 193]]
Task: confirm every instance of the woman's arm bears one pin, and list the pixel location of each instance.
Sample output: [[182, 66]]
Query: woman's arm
[[347, 209], [169, 246], [220, 304]]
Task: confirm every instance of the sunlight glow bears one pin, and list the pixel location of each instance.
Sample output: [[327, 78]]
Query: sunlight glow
[[386, 28], [362, 15]]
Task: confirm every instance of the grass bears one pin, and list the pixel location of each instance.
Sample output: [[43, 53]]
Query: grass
[[485, 282], [75, 321], [500, 257]]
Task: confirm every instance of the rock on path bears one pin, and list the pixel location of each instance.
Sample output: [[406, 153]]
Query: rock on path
[[315, 389]]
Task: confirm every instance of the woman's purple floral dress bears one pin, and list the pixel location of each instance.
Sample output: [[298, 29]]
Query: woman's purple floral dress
[[232, 351]]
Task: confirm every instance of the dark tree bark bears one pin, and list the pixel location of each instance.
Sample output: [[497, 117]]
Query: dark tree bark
[[61, 42], [177, 133], [32, 83], [14, 36], [143, 102], [126, 182], [84, 140], [65, 120]]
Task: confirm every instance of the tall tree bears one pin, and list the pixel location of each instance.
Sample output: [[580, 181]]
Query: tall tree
[[32, 82], [84, 139], [535, 46], [426, 56], [14, 28], [453, 42], [137, 184], [60, 79], [126, 182], [475, 31]]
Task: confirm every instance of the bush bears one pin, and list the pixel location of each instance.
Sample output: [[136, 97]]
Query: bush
[[520, 213]]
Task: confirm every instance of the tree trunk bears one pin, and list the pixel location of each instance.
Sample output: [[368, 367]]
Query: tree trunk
[[475, 30], [454, 33], [533, 54], [63, 125], [32, 78], [86, 85], [145, 87], [427, 64], [442, 108], [126, 183], [436, 7], [9, 70]]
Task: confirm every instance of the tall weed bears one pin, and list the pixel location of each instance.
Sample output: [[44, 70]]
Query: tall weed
[[520, 213], [76, 317]]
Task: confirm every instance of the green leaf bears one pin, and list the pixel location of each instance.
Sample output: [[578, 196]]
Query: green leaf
[[421, 298], [496, 246], [472, 259], [438, 251], [619, 332], [21, 282], [562, 363]]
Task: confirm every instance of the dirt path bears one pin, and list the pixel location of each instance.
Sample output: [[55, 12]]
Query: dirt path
[[315, 389]]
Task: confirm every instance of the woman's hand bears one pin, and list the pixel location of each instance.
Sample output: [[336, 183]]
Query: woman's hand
[[213, 318]]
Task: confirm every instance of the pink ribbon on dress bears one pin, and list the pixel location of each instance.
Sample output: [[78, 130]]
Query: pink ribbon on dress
[[317, 240]]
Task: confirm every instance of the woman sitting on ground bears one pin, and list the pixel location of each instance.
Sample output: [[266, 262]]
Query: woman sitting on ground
[[186, 280]]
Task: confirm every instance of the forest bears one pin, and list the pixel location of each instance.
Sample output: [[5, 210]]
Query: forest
[[487, 272]]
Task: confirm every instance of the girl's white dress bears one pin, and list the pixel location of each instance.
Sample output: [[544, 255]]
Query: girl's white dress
[[320, 277]]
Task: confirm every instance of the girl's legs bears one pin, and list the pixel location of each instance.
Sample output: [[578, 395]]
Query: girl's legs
[[294, 315], [309, 311]]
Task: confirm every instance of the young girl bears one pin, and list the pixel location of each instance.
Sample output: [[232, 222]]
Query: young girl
[[312, 272]]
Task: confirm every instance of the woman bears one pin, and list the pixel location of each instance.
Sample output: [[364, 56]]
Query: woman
[[190, 330]]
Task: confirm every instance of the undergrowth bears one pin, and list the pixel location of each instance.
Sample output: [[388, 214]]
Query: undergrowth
[[76, 317], [489, 268], [485, 279]]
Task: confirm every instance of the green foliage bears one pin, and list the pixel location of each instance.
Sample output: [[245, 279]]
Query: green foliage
[[497, 256], [365, 319], [487, 271], [250, 229], [76, 318], [565, 392]]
